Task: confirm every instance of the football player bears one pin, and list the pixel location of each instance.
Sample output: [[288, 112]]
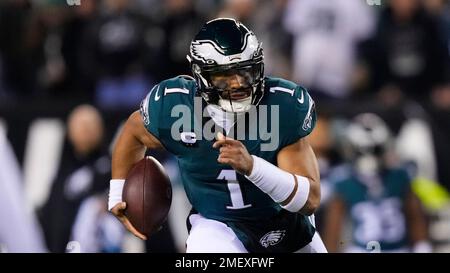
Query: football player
[[375, 193], [246, 195]]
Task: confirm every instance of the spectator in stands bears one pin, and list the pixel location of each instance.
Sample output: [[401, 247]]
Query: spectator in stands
[[83, 171], [407, 53], [439, 111], [440, 10], [95, 230], [114, 51], [265, 17], [16, 47], [79, 77], [325, 37], [175, 28]]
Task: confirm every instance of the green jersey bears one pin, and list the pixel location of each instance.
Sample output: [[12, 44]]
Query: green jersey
[[376, 209], [285, 114]]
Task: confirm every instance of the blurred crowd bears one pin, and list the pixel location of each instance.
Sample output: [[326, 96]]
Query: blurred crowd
[[105, 52], [392, 60]]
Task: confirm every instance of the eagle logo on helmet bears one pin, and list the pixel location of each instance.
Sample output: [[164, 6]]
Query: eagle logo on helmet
[[210, 52]]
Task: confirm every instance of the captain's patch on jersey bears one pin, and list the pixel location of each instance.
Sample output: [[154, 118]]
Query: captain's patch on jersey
[[189, 138]]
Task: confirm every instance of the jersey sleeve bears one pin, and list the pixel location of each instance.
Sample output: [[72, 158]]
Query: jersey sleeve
[[342, 190], [157, 106], [150, 110], [404, 180], [298, 118], [340, 179]]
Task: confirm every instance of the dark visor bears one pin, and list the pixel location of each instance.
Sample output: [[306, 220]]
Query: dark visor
[[234, 78]]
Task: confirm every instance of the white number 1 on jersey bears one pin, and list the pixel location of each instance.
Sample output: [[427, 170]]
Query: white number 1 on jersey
[[237, 201]]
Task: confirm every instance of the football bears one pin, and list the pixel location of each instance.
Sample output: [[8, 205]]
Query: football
[[148, 194]]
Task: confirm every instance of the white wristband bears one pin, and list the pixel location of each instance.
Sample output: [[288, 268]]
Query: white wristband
[[279, 184], [115, 192]]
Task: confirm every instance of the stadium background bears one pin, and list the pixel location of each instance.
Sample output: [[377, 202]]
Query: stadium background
[[354, 56]]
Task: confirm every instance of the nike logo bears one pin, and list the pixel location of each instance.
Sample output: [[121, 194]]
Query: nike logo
[[302, 98], [157, 97]]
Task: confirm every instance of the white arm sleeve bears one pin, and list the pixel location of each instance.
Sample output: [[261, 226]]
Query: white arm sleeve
[[279, 184]]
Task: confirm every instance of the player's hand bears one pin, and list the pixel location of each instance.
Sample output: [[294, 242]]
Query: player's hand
[[233, 153], [117, 210]]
